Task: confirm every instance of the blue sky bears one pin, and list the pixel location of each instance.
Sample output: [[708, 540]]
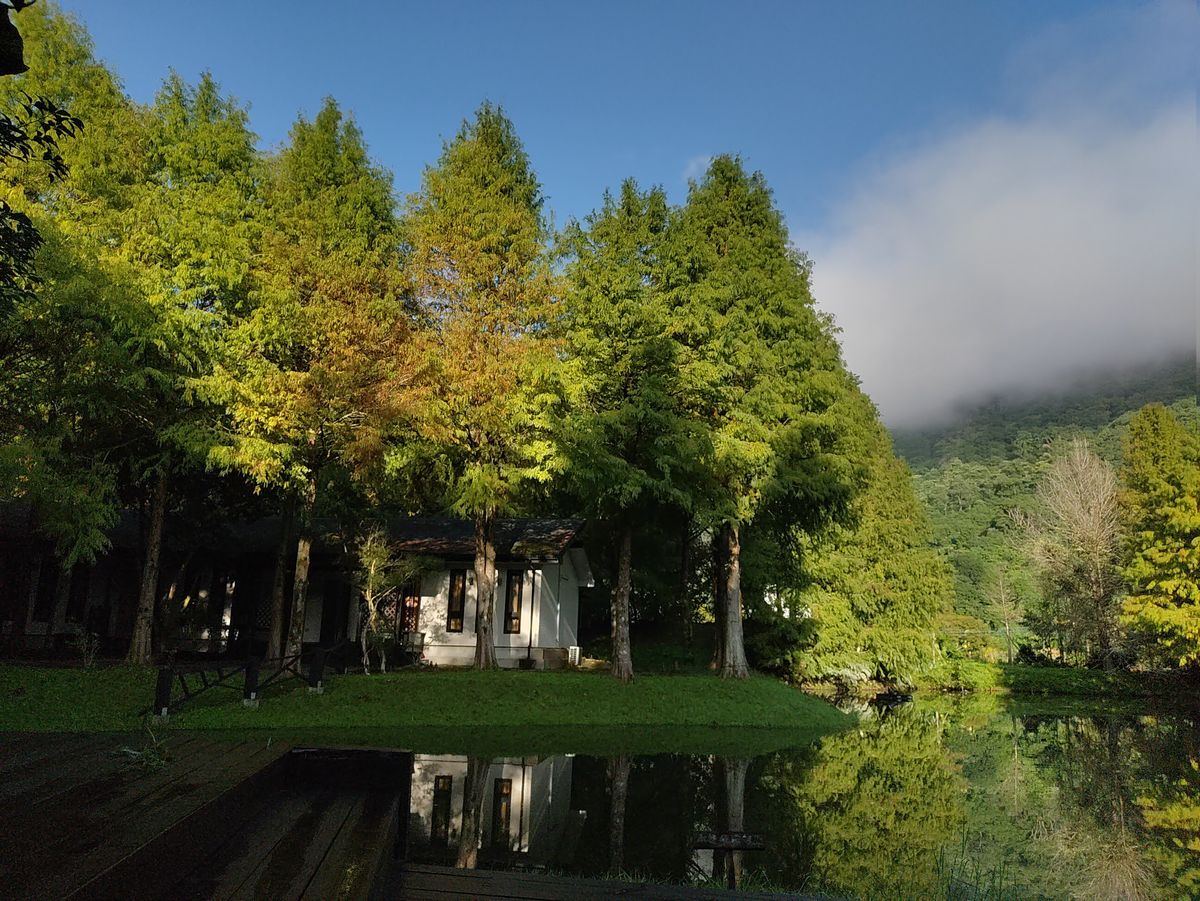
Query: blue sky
[[942, 160], [598, 91]]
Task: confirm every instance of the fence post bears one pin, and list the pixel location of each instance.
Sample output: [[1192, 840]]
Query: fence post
[[316, 671], [162, 691], [250, 686]]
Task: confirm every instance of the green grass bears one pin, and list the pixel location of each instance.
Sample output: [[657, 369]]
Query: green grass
[[1023, 679], [504, 711], [1083, 683]]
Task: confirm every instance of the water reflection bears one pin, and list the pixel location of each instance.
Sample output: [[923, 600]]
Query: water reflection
[[931, 800]]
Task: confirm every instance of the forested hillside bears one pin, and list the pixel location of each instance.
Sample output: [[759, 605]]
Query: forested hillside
[[973, 472]]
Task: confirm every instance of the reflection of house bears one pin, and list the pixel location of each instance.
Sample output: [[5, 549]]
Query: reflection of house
[[215, 590], [526, 817], [540, 568]]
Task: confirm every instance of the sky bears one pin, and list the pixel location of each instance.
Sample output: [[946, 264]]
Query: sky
[[995, 195]]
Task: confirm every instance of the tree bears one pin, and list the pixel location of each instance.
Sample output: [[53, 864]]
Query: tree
[[477, 262], [871, 589], [1161, 511], [377, 582], [148, 260], [188, 239], [631, 445], [1075, 540], [770, 372], [1006, 604], [301, 375]]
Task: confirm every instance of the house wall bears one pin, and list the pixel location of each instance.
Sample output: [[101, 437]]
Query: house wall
[[549, 614], [541, 615]]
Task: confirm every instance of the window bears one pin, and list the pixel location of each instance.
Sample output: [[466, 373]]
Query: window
[[457, 602], [512, 601], [501, 813], [439, 830], [410, 609]]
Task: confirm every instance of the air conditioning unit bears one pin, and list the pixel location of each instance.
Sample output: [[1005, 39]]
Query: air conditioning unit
[[574, 655]]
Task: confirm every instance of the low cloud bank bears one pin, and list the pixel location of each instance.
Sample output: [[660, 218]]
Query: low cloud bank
[[1023, 248]]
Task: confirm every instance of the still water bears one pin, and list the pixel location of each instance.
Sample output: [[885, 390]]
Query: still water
[[970, 799]]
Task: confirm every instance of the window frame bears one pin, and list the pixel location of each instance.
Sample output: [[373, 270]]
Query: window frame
[[502, 802], [451, 617], [512, 615], [439, 817], [410, 591]]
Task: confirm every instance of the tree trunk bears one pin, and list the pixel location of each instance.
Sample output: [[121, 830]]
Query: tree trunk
[[685, 575], [1008, 638], [485, 591], [168, 620], [731, 806], [618, 782], [719, 603], [622, 658], [279, 583], [364, 635], [295, 640], [140, 649], [734, 665], [472, 818]]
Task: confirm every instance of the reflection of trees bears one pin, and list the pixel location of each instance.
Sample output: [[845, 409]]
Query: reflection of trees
[[872, 814], [730, 779], [1171, 812], [1099, 831], [1083, 807], [618, 783], [472, 819]]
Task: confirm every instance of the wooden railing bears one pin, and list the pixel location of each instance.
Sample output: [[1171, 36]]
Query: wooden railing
[[179, 683]]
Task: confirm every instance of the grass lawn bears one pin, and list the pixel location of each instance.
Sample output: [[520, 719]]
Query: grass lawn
[[1060, 681], [521, 712]]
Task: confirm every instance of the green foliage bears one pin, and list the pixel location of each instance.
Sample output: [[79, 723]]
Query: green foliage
[[325, 324], [874, 588], [973, 472], [629, 437], [476, 259], [767, 371], [1162, 514]]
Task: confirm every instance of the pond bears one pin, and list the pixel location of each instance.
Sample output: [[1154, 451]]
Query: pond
[[973, 798]]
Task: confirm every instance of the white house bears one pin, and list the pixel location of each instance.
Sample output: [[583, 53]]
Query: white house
[[540, 567]]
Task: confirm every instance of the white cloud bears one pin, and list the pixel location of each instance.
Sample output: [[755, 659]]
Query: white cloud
[[1022, 248]]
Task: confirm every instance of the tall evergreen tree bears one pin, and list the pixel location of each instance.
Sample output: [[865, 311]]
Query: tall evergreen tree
[[327, 327], [872, 587], [1161, 504], [631, 444], [153, 226], [771, 373], [477, 261]]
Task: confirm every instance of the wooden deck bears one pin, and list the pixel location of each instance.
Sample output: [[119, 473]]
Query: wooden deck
[[428, 883], [77, 814]]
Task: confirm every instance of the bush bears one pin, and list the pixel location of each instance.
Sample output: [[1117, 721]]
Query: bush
[[956, 674], [773, 646]]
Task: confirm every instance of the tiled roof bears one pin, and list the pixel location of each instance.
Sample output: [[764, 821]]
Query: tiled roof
[[516, 539]]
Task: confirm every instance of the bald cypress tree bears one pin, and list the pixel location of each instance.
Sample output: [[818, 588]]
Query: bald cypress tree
[[1161, 507], [477, 263], [633, 448], [326, 329], [770, 376]]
